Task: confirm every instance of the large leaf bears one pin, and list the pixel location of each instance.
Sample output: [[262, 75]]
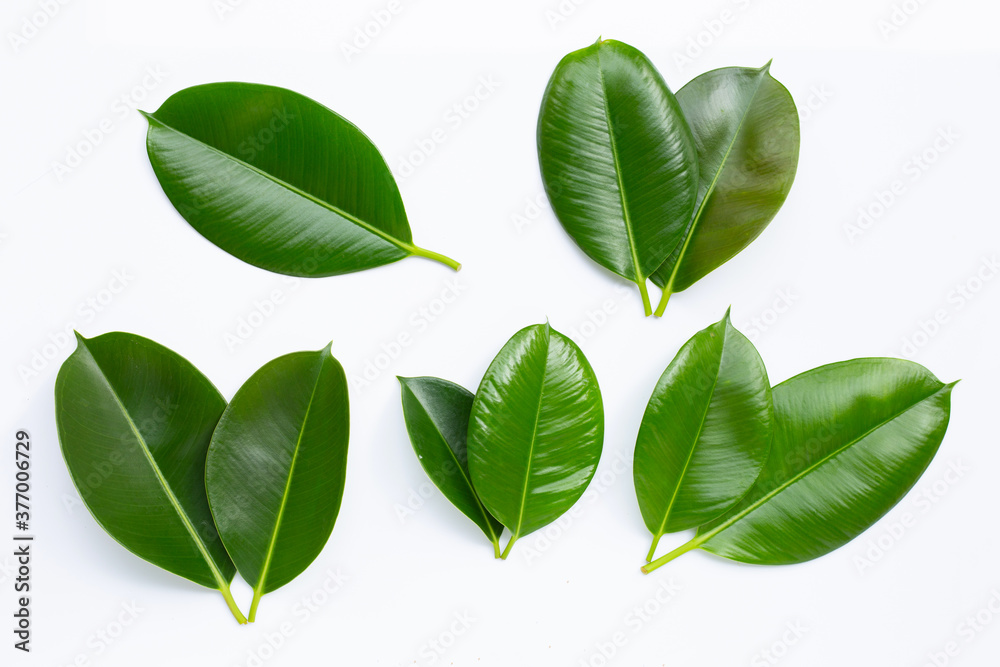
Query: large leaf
[[278, 180], [437, 419], [134, 422], [536, 430], [705, 433], [746, 128], [850, 440], [276, 466], [617, 159]]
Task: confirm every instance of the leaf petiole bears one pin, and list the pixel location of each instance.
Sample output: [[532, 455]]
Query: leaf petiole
[[679, 551], [436, 256], [506, 551], [662, 306], [644, 291], [231, 603]]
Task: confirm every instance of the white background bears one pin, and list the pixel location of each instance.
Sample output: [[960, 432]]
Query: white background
[[870, 102]]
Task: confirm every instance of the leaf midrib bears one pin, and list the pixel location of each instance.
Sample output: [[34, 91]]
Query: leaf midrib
[[823, 461], [711, 188], [402, 245], [534, 438], [165, 485]]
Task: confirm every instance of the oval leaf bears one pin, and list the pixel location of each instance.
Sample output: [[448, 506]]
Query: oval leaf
[[746, 129], [278, 180], [134, 422], [705, 433], [437, 420], [536, 430], [276, 467], [617, 159], [850, 440]]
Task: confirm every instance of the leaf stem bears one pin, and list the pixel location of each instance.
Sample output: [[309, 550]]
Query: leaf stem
[[644, 291], [652, 549], [436, 256], [679, 551], [513, 538], [662, 307], [258, 593], [496, 547], [231, 603]]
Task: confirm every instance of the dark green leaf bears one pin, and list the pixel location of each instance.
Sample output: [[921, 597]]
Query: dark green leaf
[[276, 467], [850, 440], [746, 129], [617, 159], [536, 430], [705, 434], [134, 422], [278, 180], [437, 419]]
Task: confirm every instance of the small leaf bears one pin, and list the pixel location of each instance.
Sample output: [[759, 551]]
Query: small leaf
[[276, 468], [746, 129], [536, 430], [437, 419], [850, 440], [705, 433], [278, 180], [617, 159], [134, 421]]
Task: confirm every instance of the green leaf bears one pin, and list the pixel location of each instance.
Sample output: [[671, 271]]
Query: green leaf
[[617, 159], [276, 467], [278, 180], [746, 129], [536, 430], [850, 440], [437, 419], [134, 422], [705, 433]]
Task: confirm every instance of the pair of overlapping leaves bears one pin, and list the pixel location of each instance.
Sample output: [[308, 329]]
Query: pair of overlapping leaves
[[196, 486], [784, 474], [657, 187], [522, 450]]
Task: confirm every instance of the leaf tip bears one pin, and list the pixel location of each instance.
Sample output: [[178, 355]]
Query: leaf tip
[[727, 318], [79, 337], [767, 66]]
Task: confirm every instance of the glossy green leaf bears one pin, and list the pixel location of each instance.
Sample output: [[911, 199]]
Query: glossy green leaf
[[746, 129], [536, 430], [134, 422], [437, 419], [276, 466], [617, 159], [850, 440], [705, 434], [278, 180]]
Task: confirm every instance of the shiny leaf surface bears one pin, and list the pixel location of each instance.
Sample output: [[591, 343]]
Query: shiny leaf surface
[[746, 129], [276, 467], [536, 430], [278, 180], [617, 159], [437, 420], [705, 434]]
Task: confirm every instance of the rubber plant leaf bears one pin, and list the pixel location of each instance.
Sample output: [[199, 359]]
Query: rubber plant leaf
[[746, 129], [850, 440], [134, 421], [278, 180], [536, 430], [617, 159], [705, 434], [437, 419], [276, 468]]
